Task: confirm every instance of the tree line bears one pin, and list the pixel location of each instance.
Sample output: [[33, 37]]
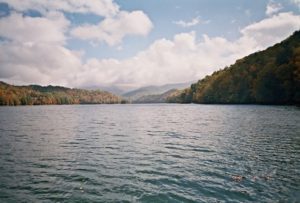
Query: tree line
[[38, 95]]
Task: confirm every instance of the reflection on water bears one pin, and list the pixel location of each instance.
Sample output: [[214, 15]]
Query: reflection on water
[[150, 153]]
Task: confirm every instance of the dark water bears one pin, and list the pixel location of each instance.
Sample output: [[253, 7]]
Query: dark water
[[150, 153]]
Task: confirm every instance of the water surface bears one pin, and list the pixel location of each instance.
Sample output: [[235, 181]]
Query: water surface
[[150, 153]]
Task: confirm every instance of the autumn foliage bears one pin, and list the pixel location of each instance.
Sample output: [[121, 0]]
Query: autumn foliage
[[39, 95]]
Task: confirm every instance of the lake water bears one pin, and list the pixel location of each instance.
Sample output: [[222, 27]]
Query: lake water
[[150, 153]]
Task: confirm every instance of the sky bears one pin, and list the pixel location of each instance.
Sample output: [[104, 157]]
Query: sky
[[134, 43]]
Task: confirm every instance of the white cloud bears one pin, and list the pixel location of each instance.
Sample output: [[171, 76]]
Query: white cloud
[[34, 51], [99, 7], [273, 8], [163, 61], [113, 29], [38, 63], [195, 21], [48, 29], [273, 29]]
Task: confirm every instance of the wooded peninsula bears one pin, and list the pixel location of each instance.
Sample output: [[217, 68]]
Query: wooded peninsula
[[39, 95]]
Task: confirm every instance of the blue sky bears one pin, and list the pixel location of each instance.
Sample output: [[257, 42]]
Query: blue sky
[[225, 19], [136, 42]]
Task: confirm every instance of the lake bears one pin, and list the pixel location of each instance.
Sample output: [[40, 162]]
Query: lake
[[150, 153]]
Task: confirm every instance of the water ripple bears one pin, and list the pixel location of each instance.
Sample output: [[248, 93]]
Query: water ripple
[[150, 153]]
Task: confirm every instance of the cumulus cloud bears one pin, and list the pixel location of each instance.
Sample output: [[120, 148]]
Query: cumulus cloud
[[113, 29], [164, 61], [33, 49], [99, 7], [38, 63], [195, 21], [273, 29], [48, 29], [273, 8]]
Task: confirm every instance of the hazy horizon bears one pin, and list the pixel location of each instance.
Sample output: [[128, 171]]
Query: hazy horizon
[[134, 44]]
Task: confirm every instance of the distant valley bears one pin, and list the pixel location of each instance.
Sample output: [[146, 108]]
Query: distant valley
[[153, 94]]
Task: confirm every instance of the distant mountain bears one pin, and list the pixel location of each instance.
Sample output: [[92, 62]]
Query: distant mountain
[[153, 90], [271, 76], [40, 95], [157, 98], [112, 89]]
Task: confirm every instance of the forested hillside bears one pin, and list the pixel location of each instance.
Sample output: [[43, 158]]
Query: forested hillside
[[271, 76], [157, 98], [39, 95], [144, 93]]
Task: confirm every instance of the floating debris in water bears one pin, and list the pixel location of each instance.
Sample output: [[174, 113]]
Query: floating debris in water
[[237, 178]]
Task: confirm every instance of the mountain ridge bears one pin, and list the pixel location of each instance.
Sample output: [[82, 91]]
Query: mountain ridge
[[153, 90], [156, 98]]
